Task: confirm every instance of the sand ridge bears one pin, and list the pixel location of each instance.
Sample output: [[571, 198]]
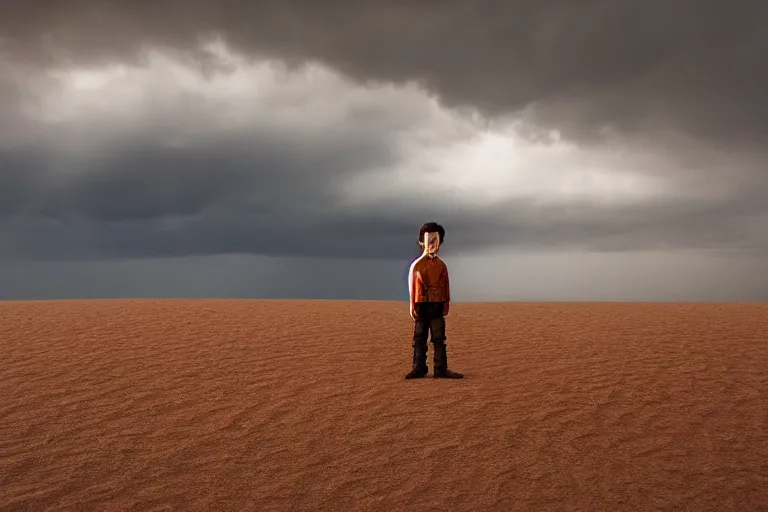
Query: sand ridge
[[302, 405]]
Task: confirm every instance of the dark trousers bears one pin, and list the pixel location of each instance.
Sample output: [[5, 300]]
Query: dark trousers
[[430, 320]]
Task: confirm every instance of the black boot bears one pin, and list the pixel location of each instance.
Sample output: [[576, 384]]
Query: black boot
[[441, 364], [420, 368]]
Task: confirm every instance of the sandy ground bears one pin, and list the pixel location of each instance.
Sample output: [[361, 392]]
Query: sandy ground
[[301, 405]]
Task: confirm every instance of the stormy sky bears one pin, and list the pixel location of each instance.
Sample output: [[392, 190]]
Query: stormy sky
[[591, 150]]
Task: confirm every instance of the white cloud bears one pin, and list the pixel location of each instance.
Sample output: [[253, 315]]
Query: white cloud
[[453, 153], [494, 166], [238, 96]]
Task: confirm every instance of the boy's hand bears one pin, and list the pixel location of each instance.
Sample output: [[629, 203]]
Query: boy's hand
[[446, 308], [414, 315]]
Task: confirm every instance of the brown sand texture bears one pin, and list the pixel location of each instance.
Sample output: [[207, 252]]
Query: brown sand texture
[[302, 406]]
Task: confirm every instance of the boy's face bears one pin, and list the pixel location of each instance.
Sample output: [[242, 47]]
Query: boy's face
[[432, 243]]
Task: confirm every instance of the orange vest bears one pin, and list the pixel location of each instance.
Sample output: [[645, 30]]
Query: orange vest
[[430, 280]]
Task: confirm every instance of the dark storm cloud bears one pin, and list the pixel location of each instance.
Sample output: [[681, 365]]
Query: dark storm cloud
[[642, 68], [244, 194], [146, 201], [690, 65]]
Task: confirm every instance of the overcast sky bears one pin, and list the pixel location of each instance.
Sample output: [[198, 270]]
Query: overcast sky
[[592, 150]]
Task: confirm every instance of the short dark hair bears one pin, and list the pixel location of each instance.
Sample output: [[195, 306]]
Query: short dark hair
[[432, 227]]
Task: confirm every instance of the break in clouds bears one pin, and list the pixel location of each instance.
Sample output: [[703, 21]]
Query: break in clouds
[[546, 137]]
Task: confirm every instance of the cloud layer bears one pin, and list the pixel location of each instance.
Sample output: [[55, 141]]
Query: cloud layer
[[161, 159], [687, 65], [333, 130]]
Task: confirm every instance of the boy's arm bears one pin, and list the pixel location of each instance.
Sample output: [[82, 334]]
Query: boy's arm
[[412, 291], [447, 293]]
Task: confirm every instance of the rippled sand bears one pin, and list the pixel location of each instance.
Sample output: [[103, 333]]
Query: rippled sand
[[302, 405]]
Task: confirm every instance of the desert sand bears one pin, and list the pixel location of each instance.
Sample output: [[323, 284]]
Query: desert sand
[[302, 405]]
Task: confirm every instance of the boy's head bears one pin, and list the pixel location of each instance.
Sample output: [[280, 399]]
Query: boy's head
[[431, 236]]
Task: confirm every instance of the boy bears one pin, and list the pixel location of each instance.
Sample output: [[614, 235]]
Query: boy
[[430, 298]]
